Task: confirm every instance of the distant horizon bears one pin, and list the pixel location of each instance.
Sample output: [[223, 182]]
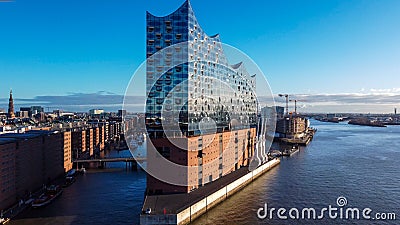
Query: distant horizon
[[336, 55], [110, 102]]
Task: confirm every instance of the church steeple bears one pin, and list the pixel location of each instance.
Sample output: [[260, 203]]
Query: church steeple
[[11, 114]]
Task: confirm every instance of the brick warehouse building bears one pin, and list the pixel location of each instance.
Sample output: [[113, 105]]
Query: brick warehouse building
[[30, 160], [78, 142]]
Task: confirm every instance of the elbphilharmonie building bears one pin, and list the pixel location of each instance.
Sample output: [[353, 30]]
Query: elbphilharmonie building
[[201, 111]]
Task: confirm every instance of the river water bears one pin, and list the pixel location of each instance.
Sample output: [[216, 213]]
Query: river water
[[361, 164]]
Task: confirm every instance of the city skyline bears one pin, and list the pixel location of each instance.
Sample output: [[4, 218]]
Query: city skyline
[[327, 54]]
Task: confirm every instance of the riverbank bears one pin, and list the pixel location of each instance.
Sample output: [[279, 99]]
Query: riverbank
[[180, 209]]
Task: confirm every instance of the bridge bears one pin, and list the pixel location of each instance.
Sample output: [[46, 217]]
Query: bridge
[[119, 159], [129, 161]]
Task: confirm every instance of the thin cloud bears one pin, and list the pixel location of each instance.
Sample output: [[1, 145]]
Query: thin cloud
[[345, 99], [386, 91], [374, 101], [77, 101], [349, 98]]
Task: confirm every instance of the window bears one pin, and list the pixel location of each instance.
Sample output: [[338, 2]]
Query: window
[[160, 101], [150, 29], [178, 36]]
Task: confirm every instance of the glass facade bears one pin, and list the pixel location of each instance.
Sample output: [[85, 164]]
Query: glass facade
[[190, 82]]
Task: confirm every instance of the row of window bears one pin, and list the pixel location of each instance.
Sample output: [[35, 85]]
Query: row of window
[[168, 37]]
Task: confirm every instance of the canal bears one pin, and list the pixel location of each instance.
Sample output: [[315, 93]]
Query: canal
[[100, 196]]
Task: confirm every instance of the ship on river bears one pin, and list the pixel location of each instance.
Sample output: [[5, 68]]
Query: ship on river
[[366, 122]]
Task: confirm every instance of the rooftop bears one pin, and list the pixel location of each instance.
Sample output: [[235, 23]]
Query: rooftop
[[12, 137]]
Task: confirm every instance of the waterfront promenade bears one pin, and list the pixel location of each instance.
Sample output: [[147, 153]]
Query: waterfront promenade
[[177, 209]]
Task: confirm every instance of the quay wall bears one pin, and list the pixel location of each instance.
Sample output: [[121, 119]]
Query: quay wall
[[198, 208]]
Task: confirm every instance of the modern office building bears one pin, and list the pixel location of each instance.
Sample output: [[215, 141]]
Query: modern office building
[[280, 112], [33, 110], [96, 111], [22, 114], [121, 113], [37, 109], [195, 98]]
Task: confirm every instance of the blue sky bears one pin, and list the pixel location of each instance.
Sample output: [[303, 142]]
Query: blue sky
[[333, 48]]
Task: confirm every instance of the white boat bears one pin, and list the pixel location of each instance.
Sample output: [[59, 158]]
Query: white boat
[[148, 211], [82, 170]]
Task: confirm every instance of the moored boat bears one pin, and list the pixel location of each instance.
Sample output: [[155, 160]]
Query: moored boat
[[82, 170], [52, 192], [68, 181], [71, 173]]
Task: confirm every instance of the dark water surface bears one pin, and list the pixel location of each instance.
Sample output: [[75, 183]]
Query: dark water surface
[[357, 162], [101, 196]]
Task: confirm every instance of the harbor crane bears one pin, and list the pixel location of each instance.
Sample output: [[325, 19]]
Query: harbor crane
[[287, 102], [295, 104]]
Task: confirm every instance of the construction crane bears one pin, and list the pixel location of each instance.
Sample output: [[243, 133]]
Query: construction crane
[[295, 104], [287, 102]]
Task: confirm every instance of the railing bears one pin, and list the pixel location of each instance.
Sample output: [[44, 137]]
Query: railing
[[121, 159]]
